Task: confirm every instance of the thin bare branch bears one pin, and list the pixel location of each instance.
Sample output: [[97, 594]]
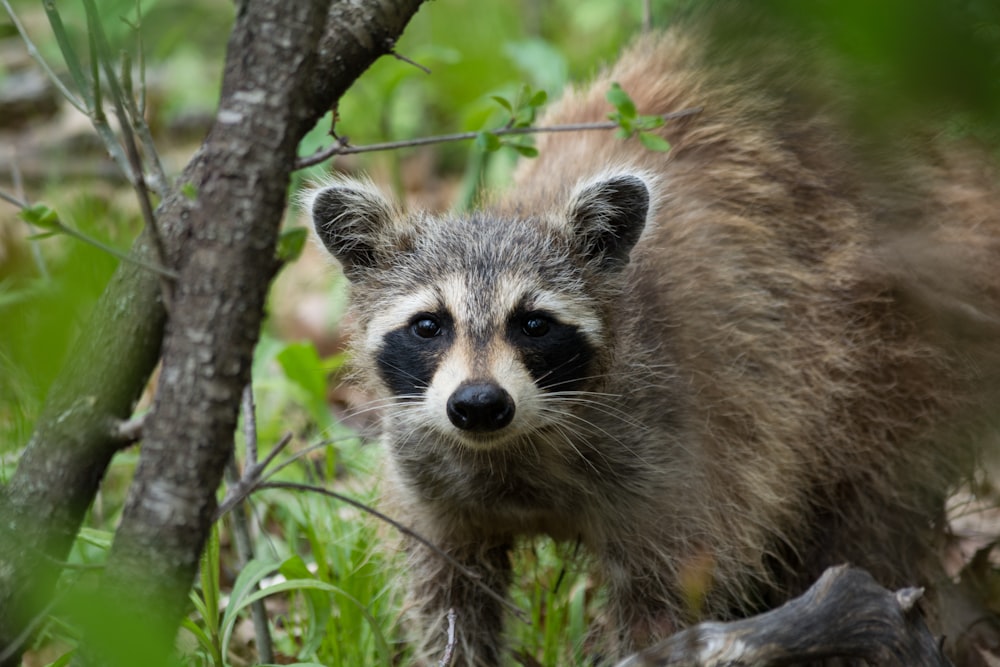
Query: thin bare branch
[[241, 527], [14, 647], [398, 56], [306, 451], [250, 425], [342, 148], [251, 479], [60, 227], [130, 430], [135, 104], [20, 200], [159, 270], [11, 199]]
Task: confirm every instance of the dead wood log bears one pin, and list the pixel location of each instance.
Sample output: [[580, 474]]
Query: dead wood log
[[844, 615]]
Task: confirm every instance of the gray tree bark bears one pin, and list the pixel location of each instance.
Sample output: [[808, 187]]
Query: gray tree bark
[[845, 618], [287, 64]]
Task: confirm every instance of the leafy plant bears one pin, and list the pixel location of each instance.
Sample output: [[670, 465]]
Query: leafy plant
[[631, 124], [522, 110]]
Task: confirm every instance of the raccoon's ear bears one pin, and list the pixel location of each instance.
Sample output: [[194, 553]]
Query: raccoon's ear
[[608, 216], [353, 221]]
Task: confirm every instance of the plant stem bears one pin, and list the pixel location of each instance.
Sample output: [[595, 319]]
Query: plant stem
[[241, 527], [37, 57], [102, 58], [125, 257]]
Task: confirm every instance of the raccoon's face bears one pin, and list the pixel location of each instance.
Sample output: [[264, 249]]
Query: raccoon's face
[[475, 327]]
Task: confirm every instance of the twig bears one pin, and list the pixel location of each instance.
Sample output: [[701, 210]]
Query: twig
[[59, 226], [103, 54], [157, 178], [449, 649], [341, 147], [129, 431], [250, 425], [391, 44], [241, 528], [12, 649], [141, 50], [7, 197], [464, 571], [36, 251], [125, 257], [250, 481], [306, 451]]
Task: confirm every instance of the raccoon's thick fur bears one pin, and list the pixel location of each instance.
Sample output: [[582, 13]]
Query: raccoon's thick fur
[[718, 370]]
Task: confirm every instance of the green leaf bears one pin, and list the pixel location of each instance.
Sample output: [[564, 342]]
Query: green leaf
[[316, 584], [98, 538], [524, 117], [654, 142], [649, 122], [41, 215], [488, 142], [63, 660], [68, 53], [538, 99], [626, 126], [317, 603], [243, 594], [303, 366], [291, 242], [526, 151], [200, 635], [504, 102], [621, 101], [210, 581], [41, 236]]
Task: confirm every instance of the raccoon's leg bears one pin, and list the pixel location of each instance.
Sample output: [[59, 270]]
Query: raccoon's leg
[[642, 604], [437, 589]]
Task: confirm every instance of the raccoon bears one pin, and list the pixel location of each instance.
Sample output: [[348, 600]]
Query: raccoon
[[722, 363]]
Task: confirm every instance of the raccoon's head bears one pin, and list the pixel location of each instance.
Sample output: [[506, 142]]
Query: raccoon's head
[[471, 327]]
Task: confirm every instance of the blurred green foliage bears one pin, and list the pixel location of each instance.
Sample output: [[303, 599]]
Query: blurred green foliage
[[933, 61]]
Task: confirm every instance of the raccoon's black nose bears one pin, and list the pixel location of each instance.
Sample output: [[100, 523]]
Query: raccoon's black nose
[[480, 407]]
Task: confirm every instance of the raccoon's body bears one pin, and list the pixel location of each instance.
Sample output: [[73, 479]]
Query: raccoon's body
[[716, 365]]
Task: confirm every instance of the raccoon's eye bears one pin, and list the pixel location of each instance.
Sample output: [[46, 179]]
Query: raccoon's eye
[[535, 325], [426, 326]]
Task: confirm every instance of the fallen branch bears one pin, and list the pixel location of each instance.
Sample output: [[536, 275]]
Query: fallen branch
[[845, 614]]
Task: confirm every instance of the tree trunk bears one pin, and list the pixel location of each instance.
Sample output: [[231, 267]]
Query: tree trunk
[[287, 64]]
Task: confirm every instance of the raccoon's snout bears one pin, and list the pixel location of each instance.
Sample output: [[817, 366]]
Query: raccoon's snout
[[482, 407]]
